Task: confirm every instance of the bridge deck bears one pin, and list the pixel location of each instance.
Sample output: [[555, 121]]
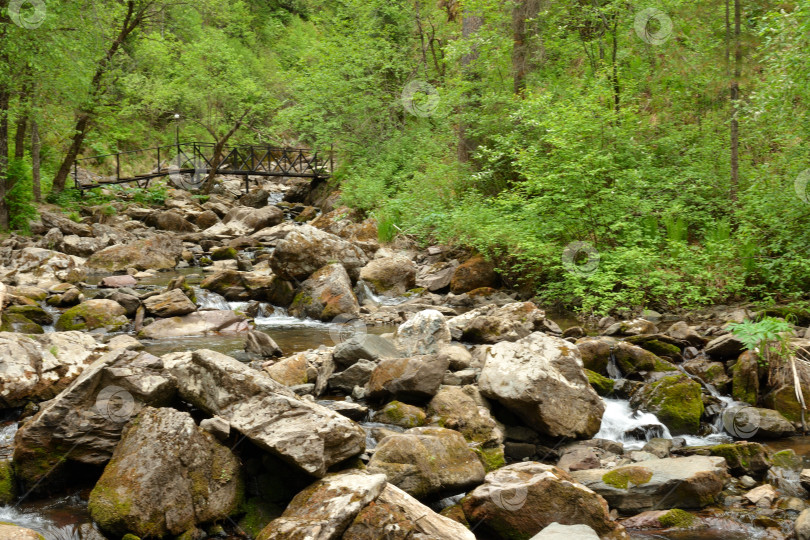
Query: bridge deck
[[188, 164]]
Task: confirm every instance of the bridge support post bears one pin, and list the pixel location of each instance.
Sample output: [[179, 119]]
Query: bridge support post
[[247, 184]]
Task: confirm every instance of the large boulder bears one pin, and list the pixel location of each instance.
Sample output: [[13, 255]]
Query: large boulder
[[686, 482], [397, 515], [169, 304], [424, 333], [92, 315], [745, 375], [676, 401], [541, 379], [81, 246], [436, 276], [391, 276], [409, 379], [298, 431], [326, 294], [170, 220], [224, 322], [325, 509], [427, 461], [83, 423], [243, 221], [520, 500], [240, 286], [556, 531], [475, 273], [158, 252], [39, 367], [42, 268], [306, 249], [492, 324], [724, 347], [65, 225], [364, 347], [164, 456]]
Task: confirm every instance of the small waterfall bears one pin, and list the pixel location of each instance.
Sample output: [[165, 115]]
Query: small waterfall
[[53, 312], [613, 370], [210, 300], [364, 292], [7, 438], [281, 319], [632, 428], [36, 521]]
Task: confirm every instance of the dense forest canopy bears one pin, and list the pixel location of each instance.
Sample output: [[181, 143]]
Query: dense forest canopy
[[664, 141]]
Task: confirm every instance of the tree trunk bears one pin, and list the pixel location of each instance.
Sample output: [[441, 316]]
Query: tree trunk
[[5, 98], [470, 24], [131, 21], [35, 172], [20, 136], [735, 96], [524, 28]]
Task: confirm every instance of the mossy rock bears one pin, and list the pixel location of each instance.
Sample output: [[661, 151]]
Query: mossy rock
[[33, 313], [401, 414], [787, 459], [625, 477], [601, 384], [130, 536], [257, 514], [491, 458], [655, 346], [223, 254], [92, 315], [632, 359], [8, 485], [783, 399], [678, 519], [676, 400], [745, 378], [801, 315], [742, 457], [14, 322]]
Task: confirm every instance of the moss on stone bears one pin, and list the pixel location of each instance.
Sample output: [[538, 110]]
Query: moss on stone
[[602, 385], [491, 458], [223, 253], [677, 402], [33, 313], [86, 317], [14, 322], [401, 414], [624, 476], [677, 518], [787, 459], [7, 483], [130, 536]]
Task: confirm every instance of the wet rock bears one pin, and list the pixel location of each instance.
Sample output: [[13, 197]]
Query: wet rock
[[42, 268], [726, 346], [325, 294], [124, 341], [493, 324], [662, 519], [687, 482], [170, 304], [261, 345], [410, 379], [675, 400], [118, 281], [764, 423], [783, 400], [364, 347], [257, 198], [474, 273], [197, 323], [555, 531], [397, 515], [762, 496], [325, 509], [424, 333], [239, 286], [32, 313], [158, 252], [658, 447], [298, 431], [358, 374], [306, 249], [540, 378], [93, 315], [88, 416], [391, 276], [579, 458], [163, 456], [130, 302], [524, 498], [427, 461], [713, 373]]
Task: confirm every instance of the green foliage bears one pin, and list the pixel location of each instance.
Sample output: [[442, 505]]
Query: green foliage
[[153, 195], [760, 336], [19, 199]]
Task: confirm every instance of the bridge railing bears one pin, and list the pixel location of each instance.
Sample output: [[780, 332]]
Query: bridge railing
[[197, 158]]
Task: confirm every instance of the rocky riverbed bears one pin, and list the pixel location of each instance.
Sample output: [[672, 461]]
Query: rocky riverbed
[[260, 366]]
